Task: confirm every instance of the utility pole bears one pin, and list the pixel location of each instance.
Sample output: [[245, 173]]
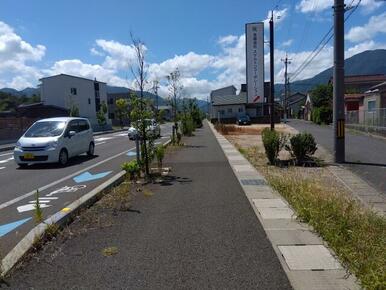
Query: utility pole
[[286, 61], [338, 82], [272, 85]]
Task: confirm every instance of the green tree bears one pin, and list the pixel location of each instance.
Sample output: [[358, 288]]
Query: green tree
[[122, 110], [321, 97], [101, 115]]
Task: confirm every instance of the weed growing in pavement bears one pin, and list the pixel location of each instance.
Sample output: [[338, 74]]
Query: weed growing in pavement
[[122, 192], [147, 192], [51, 231], [110, 251], [38, 213]]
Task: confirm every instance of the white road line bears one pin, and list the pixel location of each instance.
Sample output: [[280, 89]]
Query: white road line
[[2, 168], [6, 154], [96, 144], [6, 160], [103, 139], [17, 199]]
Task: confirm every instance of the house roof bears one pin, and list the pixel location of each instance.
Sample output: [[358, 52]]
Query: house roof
[[66, 75], [362, 78], [353, 97], [378, 86], [229, 100]]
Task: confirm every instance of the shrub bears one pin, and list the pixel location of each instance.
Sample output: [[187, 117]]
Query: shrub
[[321, 115], [302, 146], [132, 168], [273, 143], [160, 154], [187, 126]]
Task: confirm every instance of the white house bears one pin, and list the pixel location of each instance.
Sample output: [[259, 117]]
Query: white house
[[67, 91]]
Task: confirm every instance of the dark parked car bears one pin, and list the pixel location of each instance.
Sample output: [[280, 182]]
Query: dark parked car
[[243, 120]]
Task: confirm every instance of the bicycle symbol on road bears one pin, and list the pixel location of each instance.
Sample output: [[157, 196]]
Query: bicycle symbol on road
[[67, 189]]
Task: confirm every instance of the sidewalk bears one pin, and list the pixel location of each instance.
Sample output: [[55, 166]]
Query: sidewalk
[[196, 231]]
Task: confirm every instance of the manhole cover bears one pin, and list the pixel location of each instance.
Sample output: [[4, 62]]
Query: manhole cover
[[253, 182], [309, 257]]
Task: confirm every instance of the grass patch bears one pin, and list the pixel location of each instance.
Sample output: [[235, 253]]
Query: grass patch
[[357, 235]]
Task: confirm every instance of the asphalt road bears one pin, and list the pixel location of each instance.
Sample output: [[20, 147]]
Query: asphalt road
[[197, 231], [365, 155], [58, 186]]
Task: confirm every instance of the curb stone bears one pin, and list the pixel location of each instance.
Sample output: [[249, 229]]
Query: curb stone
[[301, 252]]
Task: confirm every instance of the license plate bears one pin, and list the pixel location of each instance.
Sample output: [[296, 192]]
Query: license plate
[[28, 156]]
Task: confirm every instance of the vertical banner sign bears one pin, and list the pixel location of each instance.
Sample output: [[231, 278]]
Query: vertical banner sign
[[254, 38]]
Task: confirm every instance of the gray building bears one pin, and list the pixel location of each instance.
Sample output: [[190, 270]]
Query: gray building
[[66, 91], [226, 105]]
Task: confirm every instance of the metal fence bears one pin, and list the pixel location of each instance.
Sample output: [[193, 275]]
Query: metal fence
[[367, 120]]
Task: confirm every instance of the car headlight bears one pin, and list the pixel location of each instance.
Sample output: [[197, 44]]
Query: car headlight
[[52, 145], [18, 146]]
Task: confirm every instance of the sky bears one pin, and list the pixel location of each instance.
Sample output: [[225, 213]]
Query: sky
[[204, 39]]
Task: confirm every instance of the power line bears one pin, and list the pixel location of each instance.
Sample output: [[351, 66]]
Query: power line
[[318, 49]]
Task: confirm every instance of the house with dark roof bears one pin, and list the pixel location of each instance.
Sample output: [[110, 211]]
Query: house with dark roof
[[226, 106], [361, 83], [295, 105]]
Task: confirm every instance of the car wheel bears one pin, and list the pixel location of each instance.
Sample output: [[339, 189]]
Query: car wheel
[[91, 149], [63, 157]]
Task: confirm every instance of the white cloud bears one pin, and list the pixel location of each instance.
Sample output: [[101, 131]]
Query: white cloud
[[96, 52], [287, 43], [376, 24], [307, 6], [189, 65], [227, 40], [15, 54], [361, 47], [78, 68], [315, 6], [278, 16], [119, 56]]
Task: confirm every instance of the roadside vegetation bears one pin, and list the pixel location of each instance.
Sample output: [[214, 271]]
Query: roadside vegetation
[[356, 234]]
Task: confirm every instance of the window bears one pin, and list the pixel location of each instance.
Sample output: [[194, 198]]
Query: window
[[371, 106], [89, 101], [96, 86], [83, 125], [230, 110], [73, 91], [241, 110], [222, 112], [73, 126], [111, 101], [111, 116]]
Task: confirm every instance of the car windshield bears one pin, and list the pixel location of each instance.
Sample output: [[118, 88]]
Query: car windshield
[[46, 129]]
